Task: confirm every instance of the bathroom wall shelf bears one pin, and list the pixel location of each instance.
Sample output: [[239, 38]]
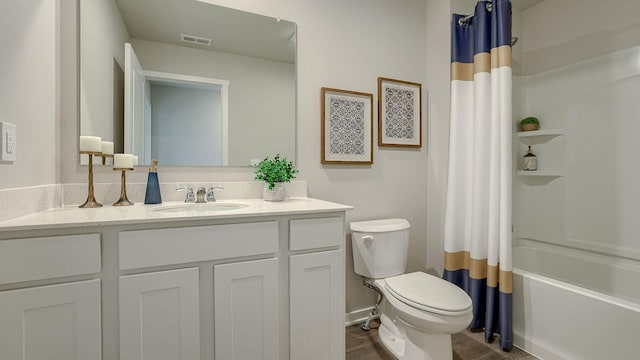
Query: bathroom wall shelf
[[543, 132], [538, 136], [551, 173]]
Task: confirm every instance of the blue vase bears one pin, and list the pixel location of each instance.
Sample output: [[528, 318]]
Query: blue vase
[[153, 190]]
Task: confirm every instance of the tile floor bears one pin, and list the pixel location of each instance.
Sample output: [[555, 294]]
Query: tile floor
[[366, 345]]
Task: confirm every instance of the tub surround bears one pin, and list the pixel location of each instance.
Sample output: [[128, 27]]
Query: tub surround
[[105, 283]]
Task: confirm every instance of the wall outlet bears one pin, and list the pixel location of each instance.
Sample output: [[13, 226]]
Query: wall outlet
[[8, 142]]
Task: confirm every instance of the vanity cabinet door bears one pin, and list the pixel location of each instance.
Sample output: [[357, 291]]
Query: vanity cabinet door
[[160, 313], [317, 305], [246, 310], [57, 322]]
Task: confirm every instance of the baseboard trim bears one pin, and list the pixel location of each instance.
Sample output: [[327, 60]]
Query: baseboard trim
[[536, 349], [358, 316]]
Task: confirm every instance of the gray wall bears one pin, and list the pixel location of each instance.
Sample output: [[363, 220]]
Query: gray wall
[[102, 70], [29, 92], [186, 125], [261, 95]]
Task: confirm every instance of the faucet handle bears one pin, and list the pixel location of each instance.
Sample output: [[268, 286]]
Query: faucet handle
[[191, 197], [211, 196]]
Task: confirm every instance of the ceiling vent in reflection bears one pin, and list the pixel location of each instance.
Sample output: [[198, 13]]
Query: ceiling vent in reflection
[[196, 40]]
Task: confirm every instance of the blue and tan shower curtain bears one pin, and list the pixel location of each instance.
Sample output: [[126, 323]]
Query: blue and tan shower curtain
[[477, 236]]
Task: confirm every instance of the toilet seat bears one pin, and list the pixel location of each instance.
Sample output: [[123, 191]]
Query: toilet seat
[[429, 293]]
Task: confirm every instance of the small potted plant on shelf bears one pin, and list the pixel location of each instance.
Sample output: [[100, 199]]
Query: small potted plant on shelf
[[275, 173], [530, 123]]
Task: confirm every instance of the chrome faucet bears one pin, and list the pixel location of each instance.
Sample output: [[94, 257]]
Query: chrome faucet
[[191, 197], [201, 195], [211, 196]]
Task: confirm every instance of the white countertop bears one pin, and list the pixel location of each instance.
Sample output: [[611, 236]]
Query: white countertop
[[72, 216]]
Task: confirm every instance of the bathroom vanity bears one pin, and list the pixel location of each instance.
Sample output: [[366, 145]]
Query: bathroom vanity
[[263, 281]]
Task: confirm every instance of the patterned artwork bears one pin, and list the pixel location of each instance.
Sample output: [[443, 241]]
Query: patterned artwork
[[399, 113], [347, 127]]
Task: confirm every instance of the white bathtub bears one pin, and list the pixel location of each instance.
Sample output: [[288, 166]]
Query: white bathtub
[[571, 304]]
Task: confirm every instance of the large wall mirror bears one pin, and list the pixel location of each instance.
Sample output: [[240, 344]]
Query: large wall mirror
[[187, 82]]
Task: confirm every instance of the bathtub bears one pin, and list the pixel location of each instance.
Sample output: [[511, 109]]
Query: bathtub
[[572, 304]]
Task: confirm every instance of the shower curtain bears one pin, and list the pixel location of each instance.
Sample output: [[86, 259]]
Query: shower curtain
[[477, 235]]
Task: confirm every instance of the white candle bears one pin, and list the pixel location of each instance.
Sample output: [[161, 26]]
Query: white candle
[[123, 161], [107, 148], [135, 159], [91, 143]]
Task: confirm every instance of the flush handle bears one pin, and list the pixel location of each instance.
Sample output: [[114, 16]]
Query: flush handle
[[368, 239]]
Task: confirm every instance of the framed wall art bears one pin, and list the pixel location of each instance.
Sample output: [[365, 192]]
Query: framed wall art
[[347, 127], [399, 113]]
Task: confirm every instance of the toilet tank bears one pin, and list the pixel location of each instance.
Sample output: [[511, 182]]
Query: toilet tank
[[380, 247]]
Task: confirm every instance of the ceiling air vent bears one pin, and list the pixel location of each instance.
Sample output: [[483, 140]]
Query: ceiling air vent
[[196, 40]]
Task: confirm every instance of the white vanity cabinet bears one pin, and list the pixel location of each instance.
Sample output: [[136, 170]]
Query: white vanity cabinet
[[50, 322], [160, 314], [263, 285], [317, 306], [247, 312], [57, 322], [317, 289]]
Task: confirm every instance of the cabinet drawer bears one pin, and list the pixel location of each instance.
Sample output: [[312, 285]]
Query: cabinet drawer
[[49, 257], [315, 233], [145, 248]]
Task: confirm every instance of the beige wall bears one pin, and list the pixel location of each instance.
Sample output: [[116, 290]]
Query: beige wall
[[438, 60], [28, 90]]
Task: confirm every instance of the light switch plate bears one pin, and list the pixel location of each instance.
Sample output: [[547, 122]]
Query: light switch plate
[[8, 142]]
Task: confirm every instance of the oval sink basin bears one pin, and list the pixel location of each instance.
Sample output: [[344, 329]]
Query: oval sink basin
[[198, 208]]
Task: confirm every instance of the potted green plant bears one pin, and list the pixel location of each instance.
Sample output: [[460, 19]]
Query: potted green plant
[[275, 173], [529, 123]]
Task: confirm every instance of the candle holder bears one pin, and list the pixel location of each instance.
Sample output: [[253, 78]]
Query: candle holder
[[91, 200], [123, 201], [104, 158]]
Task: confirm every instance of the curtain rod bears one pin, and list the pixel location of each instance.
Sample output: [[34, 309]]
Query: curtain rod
[[489, 5], [463, 20]]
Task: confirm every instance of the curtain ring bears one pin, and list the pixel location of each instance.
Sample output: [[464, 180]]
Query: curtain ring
[[489, 6]]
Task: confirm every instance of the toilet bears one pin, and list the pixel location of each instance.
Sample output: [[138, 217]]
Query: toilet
[[418, 312]]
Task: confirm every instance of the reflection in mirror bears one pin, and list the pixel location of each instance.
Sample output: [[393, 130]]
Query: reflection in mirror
[[187, 103]]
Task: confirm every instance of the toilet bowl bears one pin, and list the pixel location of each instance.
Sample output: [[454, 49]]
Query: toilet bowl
[[419, 312]]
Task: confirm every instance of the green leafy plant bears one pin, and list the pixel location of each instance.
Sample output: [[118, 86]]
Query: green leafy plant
[[276, 170], [529, 120]]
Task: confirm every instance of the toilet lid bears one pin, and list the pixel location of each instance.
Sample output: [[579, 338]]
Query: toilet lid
[[428, 293], [378, 226]]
